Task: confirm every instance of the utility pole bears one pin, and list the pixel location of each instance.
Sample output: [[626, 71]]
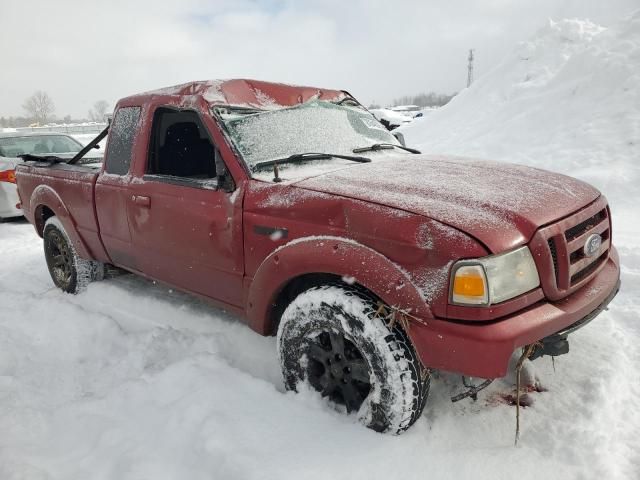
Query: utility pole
[[470, 69]]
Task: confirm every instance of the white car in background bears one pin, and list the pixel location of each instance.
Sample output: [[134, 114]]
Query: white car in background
[[12, 145], [390, 118]]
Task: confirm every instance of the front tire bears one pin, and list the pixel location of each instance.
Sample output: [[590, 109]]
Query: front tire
[[69, 272], [331, 339]]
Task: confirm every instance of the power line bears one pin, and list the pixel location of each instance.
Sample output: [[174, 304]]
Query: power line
[[470, 69]]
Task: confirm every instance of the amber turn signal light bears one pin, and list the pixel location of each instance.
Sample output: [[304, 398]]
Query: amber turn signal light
[[470, 285]]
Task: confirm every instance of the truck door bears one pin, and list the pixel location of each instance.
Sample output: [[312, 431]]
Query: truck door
[[112, 187], [186, 228]]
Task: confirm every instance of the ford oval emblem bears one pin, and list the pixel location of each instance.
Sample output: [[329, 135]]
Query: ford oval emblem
[[592, 245]]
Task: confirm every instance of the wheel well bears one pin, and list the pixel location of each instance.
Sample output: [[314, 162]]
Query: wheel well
[[42, 214], [297, 285]]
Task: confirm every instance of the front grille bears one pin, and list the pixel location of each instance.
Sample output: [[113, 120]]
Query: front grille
[[588, 224], [560, 248], [589, 269]]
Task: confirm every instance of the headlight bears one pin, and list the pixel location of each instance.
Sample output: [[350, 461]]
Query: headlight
[[494, 279]]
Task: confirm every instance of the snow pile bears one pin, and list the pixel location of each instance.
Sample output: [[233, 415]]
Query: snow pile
[[566, 100]]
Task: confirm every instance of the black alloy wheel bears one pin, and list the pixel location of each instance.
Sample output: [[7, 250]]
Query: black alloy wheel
[[338, 370], [331, 339], [69, 272], [60, 259]]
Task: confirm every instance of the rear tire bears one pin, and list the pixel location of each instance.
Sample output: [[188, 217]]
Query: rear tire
[[330, 339], [69, 272]]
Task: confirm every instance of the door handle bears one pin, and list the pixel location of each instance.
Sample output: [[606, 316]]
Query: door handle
[[142, 201]]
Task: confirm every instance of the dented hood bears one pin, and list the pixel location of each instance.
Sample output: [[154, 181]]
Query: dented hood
[[500, 204]]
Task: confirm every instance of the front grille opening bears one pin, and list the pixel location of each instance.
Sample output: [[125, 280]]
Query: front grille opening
[[589, 269], [554, 257], [575, 256], [585, 226]]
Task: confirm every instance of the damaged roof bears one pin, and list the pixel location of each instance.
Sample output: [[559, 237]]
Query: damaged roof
[[246, 93]]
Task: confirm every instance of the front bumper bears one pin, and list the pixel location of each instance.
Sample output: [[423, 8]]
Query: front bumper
[[483, 349]]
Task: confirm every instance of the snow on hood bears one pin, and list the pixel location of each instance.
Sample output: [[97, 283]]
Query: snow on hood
[[500, 204]]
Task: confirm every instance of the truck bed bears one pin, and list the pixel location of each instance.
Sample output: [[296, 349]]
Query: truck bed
[[74, 187]]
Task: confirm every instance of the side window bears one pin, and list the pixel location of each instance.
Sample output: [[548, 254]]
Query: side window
[[180, 146], [121, 134]]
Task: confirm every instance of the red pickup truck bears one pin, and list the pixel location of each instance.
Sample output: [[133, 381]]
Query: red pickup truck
[[295, 208]]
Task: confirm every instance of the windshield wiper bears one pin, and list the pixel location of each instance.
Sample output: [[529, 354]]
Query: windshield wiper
[[307, 157], [28, 157], [383, 146], [304, 157], [89, 146]]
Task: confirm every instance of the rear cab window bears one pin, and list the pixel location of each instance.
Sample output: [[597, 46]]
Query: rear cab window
[[121, 135]]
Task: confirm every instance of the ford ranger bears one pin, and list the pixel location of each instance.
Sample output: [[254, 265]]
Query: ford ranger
[[293, 207]]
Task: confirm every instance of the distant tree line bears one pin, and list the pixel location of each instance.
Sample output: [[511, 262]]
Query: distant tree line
[[40, 110], [430, 99]]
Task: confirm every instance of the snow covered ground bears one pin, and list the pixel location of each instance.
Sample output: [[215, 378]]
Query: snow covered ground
[[131, 381]]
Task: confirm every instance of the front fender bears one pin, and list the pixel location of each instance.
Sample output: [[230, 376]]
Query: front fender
[[332, 255], [45, 196]]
